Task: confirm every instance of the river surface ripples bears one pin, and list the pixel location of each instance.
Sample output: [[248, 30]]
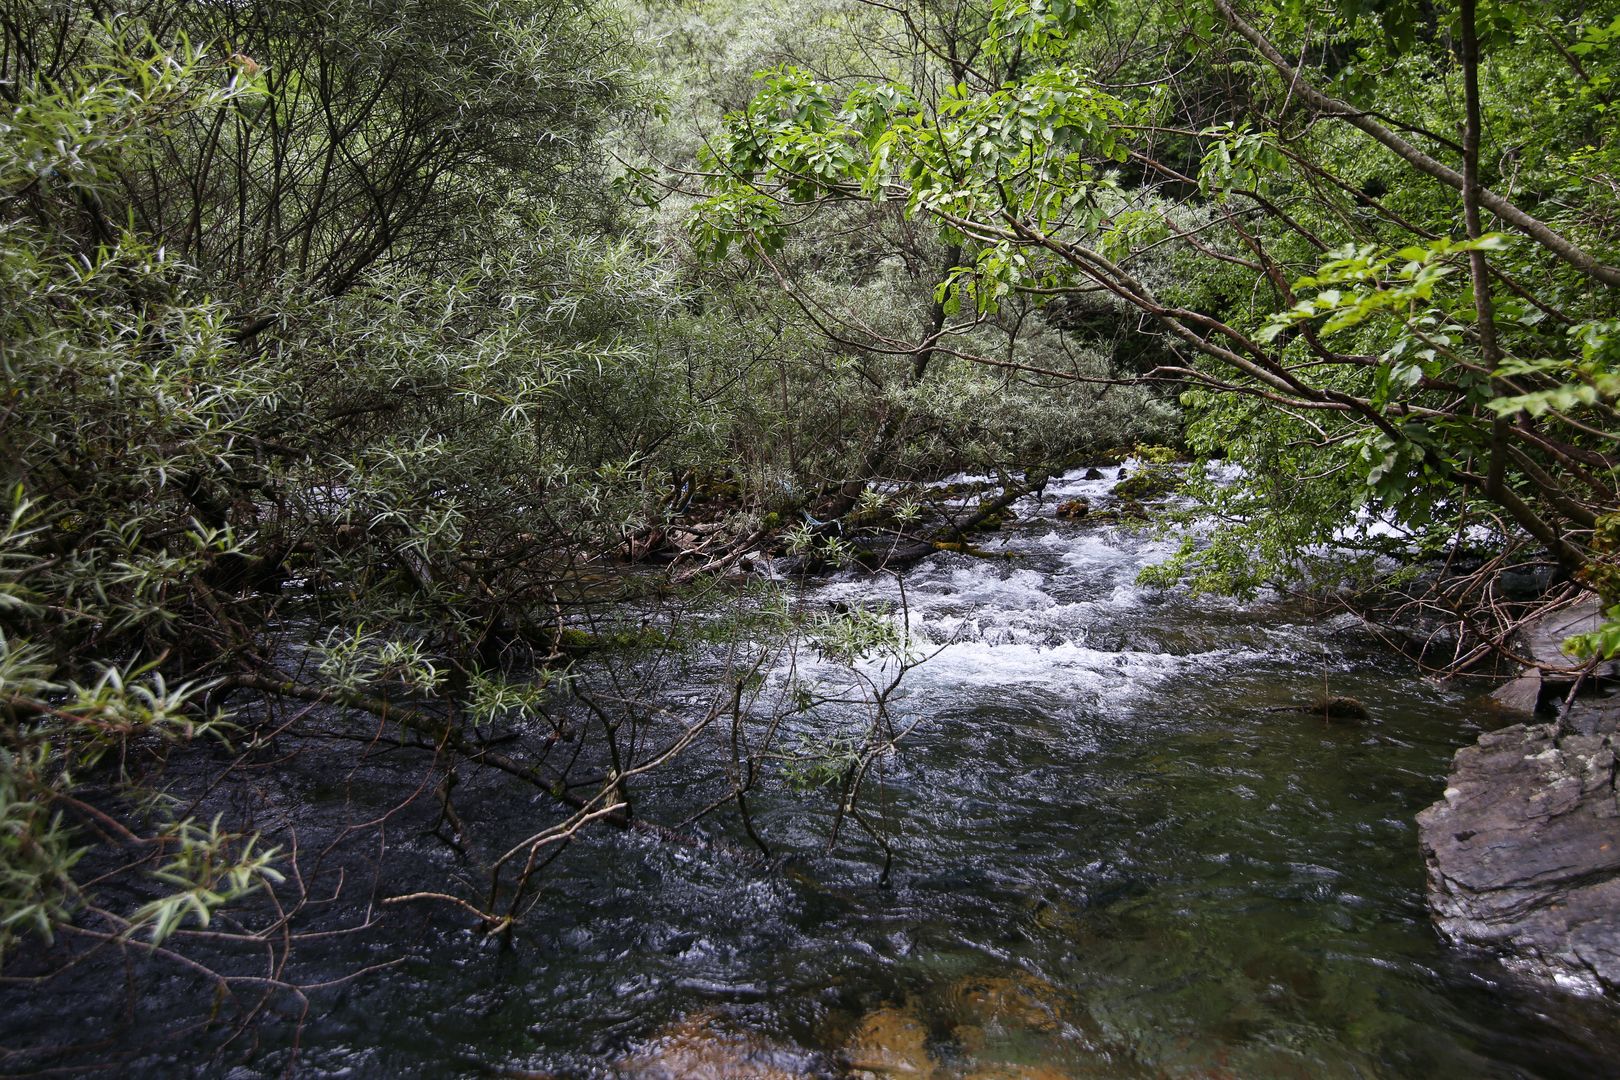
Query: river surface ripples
[[1116, 854]]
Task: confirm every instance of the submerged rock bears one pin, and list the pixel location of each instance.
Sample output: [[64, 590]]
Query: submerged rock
[[991, 1025], [1340, 708], [1523, 852], [701, 1048], [889, 1042], [1149, 482], [982, 1008]]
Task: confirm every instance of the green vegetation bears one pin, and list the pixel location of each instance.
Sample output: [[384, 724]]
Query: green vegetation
[[407, 369], [1383, 282]]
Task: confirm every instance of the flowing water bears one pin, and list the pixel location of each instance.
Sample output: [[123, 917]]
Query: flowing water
[[1116, 854]]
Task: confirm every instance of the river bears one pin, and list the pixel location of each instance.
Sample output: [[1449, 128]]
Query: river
[[1117, 853]]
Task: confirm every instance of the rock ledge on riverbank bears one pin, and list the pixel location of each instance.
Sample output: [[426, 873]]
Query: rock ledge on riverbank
[[1523, 852]]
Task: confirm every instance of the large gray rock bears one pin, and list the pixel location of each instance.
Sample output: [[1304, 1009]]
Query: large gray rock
[[1523, 852]]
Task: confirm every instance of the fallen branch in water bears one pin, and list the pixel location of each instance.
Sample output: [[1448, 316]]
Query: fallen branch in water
[[444, 734], [492, 924], [952, 537]]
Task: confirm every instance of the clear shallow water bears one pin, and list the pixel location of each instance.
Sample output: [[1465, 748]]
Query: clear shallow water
[[1114, 858]]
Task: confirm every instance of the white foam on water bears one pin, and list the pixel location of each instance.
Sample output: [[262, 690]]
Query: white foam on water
[[960, 478], [986, 623], [1116, 548], [969, 673], [986, 663], [939, 585]]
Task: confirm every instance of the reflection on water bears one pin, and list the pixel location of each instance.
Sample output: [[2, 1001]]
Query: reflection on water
[[1118, 855]]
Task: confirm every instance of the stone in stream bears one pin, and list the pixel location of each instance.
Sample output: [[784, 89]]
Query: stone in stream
[[700, 1048], [1523, 694]]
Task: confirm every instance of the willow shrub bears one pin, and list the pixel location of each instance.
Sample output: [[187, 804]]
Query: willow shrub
[[204, 453], [237, 479], [120, 390]]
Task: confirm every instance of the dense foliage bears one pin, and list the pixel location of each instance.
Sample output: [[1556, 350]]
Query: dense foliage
[[1385, 283], [253, 332], [338, 381]]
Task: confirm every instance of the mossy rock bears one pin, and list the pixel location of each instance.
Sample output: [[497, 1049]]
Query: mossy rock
[[967, 487], [1074, 509], [874, 518], [718, 489], [1340, 709], [572, 640], [1155, 455], [1128, 512], [963, 548], [1150, 482], [642, 637]]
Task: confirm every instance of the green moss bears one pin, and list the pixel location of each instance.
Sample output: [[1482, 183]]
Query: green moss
[[964, 548], [571, 640], [1148, 482], [1154, 455]]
